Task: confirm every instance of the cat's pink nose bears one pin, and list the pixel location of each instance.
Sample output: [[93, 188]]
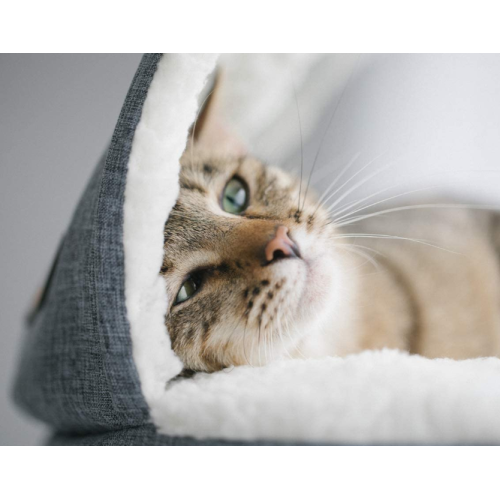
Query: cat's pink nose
[[281, 246]]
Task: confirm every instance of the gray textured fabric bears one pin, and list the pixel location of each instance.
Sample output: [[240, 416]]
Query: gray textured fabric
[[144, 435], [76, 372]]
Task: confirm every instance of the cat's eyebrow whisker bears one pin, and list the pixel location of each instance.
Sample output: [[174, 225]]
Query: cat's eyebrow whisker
[[330, 121], [415, 207], [327, 168], [301, 141], [394, 237]]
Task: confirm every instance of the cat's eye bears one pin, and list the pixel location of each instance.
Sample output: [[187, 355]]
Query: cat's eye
[[188, 289], [235, 196]]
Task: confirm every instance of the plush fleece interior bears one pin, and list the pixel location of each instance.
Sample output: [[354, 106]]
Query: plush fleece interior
[[373, 397]]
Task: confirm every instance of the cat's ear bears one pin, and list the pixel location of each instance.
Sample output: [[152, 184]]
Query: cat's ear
[[211, 131]]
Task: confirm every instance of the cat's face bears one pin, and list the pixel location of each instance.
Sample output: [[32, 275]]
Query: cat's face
[[245, 269]]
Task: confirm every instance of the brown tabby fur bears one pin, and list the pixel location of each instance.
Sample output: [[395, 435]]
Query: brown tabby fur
[[344, 295]]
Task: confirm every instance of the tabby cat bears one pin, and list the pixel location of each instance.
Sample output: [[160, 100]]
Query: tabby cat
[[257, 269]]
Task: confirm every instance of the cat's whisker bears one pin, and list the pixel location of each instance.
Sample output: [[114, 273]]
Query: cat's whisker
[[259, 346], [234, 329], [279, 328], [368, 258], [357, 184], [280, 333], [284, 321], [360, 183], [335, 180], [336, 215], [338, 221], [370, 176], [416, 207], [399, 195], [293, 339], [245, 344], [266, 354], [376, 252], [394, 237], [271, 342], [253, 345], [360, 246]]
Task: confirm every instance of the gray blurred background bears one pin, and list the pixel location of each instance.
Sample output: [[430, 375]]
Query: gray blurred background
[[57, 113], [435, 118]]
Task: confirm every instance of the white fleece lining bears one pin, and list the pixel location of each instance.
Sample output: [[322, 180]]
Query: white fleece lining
[[380, 397], [373, 397], [152, 188]]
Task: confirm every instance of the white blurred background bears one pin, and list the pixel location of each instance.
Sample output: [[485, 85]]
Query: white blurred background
[[434, 120]]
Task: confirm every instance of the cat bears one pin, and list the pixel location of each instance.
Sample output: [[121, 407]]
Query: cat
[[257, 269]]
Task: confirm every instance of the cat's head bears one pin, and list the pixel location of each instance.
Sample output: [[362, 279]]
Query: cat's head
[[247, 271], [249, 263]]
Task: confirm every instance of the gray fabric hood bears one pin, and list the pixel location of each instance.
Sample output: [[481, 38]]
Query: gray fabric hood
[[76, 372]]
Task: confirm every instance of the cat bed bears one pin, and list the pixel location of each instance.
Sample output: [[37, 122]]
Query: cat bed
[[97, 365]]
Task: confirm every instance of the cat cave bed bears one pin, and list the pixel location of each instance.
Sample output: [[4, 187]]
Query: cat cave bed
[[97, 365]]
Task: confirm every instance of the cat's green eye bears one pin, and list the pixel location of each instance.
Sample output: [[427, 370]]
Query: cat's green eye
[[187, 290], [235, 196]]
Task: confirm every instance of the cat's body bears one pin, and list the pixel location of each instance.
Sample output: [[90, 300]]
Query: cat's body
[[434, 293], [280, 279]]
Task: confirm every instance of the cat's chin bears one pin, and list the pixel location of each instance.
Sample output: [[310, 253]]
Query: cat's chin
[[311, 290], [320, 280], [310, 285], [319, 287]]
